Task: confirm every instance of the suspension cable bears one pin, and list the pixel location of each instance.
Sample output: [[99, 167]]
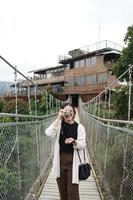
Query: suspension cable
[[33, 83], [15, 69], [17, 137], [29, 100], [35, 90]]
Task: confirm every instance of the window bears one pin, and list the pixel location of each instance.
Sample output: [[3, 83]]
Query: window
[[102, 78], [69, 82], [93, 60], [67, 66], [87, 61], [54, 88], [91, 79], [77, 64], [82, 63], [49, 75], [80, 80], [55, 73], [60, 73]]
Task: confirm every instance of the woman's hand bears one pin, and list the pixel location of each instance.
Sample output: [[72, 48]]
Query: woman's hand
[[61, 114], [70, 141]]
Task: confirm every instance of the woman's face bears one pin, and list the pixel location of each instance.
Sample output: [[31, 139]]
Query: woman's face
[[68, 113]]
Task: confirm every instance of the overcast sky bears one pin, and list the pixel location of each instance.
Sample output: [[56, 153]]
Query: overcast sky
[[34, 32]]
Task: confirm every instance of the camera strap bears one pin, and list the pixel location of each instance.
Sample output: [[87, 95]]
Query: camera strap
[[61, 130]]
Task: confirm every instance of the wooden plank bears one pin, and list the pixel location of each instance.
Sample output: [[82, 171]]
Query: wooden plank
[[87, 189]]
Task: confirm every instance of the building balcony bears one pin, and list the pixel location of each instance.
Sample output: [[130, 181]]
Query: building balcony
[[82, 89], [42, 81]]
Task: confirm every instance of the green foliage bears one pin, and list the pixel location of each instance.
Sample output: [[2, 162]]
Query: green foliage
[[9, 184], [27, 149], [22, 107], [115, 166], [101, 110], [2, 103], [7, 140], [120, 103], [118, 107], [46, 104], [126, 58], [5, 119], [43, 104]]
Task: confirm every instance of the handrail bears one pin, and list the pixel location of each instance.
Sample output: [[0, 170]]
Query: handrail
[[103, 43], [14, 68], [111, 120], [26, 116]]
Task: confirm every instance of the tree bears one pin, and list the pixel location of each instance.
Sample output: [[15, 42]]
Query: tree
[[126, 58], [9, 184], [123, 63], [22, 107], [2, 103], [120, 103]]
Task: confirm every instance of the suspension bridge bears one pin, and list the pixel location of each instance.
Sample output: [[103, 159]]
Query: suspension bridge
[[26, 152]]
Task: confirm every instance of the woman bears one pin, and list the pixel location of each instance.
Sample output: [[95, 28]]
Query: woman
[[69, 136]]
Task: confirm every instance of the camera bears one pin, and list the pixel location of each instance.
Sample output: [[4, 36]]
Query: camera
[[66, 113]]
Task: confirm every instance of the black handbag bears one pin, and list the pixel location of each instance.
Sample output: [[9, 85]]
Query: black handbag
[[84, 168]]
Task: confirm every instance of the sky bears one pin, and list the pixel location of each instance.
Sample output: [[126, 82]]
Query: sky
[[33, 33]]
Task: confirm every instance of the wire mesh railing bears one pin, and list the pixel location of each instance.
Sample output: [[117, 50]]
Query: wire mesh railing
[[111, 153], [108, 121], [24, 151]]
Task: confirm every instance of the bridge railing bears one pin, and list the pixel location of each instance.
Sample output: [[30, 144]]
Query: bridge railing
[[111, 150], [108, 121], [24, 152]]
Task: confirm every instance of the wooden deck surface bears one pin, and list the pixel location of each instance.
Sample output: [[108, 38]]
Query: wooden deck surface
[[87, 189]]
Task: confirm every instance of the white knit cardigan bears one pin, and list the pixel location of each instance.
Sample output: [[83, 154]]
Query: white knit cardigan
[[80, 144]]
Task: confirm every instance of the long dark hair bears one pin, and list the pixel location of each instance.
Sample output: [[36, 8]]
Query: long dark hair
[[68, 104]]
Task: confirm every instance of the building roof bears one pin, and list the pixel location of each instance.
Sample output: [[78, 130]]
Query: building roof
[[43, 70], [93, 53], [100, 48], [113, 51]]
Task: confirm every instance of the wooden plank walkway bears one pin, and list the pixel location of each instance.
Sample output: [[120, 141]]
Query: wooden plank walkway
[[87, 189]]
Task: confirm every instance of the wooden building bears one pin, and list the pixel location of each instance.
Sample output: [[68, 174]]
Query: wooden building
[[83, 72]]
